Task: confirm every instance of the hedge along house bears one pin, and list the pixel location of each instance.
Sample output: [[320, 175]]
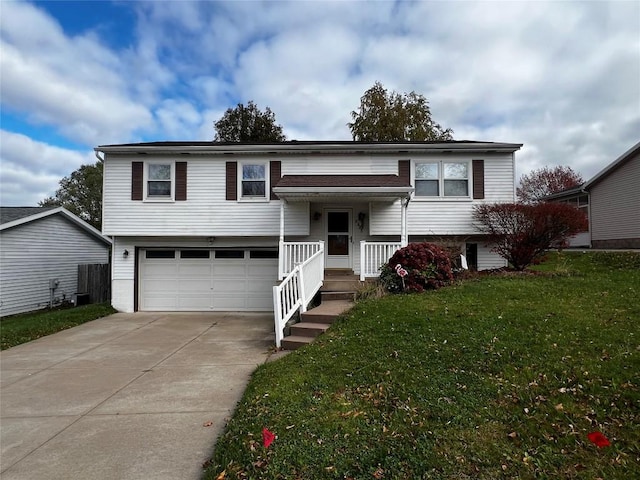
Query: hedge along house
[[202, 226]]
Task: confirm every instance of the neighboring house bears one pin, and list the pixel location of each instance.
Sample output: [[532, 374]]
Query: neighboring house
[[612, 200], [40, 250], [213, 226]]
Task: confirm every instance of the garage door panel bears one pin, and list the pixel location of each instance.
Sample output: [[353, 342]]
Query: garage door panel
[[230, 271], [160, 285], [159, 303], [164, 268], [205, 284], [193, 302], [195, 285], [195, 269], [230, 286]]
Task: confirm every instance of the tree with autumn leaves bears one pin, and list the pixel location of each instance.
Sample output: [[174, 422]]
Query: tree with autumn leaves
[[386, 116], [545, 181]]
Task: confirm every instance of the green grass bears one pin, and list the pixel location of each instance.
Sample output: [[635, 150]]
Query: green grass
[[23, 328], [496, 377]]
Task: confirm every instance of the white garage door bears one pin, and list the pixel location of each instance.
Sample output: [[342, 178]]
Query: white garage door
[[201, 280]]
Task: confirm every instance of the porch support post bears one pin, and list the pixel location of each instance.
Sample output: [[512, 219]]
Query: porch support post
[[404, 237], [281, 252]]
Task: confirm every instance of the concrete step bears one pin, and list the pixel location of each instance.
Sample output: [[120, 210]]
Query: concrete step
[[338, 272], [326, 312], [309, 329], [293, 342], [340, 284], [329, 296]]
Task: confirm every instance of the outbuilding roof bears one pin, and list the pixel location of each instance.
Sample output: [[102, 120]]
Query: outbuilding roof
[[11, 214], [11, 217]]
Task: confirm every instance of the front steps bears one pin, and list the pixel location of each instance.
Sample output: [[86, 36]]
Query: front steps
[[337, 296]]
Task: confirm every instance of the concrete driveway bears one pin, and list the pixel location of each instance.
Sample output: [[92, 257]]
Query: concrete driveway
[[127, 396]]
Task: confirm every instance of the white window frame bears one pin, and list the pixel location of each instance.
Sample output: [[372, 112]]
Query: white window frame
[[267, 189], [159, 198], [441, 180]]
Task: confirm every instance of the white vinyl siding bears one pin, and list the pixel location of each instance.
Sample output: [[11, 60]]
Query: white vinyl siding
[[487, 259], [34, 253], [615, 203], [205, 213]]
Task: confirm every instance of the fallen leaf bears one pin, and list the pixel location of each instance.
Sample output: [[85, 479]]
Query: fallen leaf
[[207, 424], [512, 435], [267, 437], [598, 439], [559, 407], [222, 475]]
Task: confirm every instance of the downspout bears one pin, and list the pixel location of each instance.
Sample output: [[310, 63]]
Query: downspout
[[404, 237], [281, 252]]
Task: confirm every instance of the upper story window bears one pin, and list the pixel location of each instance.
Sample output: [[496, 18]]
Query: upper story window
[[254, 179], [442, 179], [159, 180]]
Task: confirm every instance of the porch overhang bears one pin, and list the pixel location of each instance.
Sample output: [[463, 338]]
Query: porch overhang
[[327, 188]]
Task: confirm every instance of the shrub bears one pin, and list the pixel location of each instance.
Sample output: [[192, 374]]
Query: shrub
[[427, 267], [523, 233]]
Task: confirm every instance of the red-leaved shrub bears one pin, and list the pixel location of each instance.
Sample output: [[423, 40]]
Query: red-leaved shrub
[[427, 267], [523, 233]]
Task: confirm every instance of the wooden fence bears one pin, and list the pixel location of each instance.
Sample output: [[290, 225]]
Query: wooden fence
[[95, 279]]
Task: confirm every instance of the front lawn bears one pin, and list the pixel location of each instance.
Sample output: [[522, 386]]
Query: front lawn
[[23, 328], [496, 377]]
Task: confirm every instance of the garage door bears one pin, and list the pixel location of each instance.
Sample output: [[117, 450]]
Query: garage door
[[207, 280]]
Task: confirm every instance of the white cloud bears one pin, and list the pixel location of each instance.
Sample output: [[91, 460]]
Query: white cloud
[[73, 84], [32, 170]]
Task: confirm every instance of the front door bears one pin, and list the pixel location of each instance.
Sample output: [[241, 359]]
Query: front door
[[338, 246]]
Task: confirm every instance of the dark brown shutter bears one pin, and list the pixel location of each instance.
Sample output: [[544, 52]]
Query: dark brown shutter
[[181, 181], [275, 171], [478, 179], [404, 171], [232, 180], [137, 169]]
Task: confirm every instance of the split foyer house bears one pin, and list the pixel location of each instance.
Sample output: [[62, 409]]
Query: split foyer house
[[202, 226]]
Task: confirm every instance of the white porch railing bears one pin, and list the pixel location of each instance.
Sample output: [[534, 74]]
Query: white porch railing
[[295, 253], [297, 290], [373, 255]]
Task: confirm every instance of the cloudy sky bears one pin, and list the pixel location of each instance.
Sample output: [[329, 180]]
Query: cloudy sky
[[561, 77]]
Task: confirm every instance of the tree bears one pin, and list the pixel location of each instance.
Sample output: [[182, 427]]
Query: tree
[[390, 116], [81, 194], [248, 124], [545, 181], [523, 233]]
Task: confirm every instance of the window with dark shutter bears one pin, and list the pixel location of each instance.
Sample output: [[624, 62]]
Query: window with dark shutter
[[137, 180], [478, 179]]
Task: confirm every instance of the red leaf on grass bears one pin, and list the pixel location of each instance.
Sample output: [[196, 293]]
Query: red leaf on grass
[[267, 437], [598, 439]]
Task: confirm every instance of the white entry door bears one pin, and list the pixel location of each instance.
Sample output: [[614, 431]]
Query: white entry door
[[338, 242]]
